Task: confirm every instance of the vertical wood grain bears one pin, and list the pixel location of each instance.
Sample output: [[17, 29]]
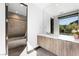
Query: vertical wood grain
[[59, 47]]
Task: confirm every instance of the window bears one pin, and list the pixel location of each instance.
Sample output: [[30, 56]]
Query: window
[[52, 25], [67, 23]]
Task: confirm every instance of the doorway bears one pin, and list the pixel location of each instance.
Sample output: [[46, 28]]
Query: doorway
[[16, 28]]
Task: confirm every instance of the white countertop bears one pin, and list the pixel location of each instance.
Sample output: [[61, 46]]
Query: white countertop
[[61, 37]]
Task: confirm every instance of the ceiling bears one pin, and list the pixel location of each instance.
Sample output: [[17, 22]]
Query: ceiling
[[58, 8], [17, 8], [51, 8]]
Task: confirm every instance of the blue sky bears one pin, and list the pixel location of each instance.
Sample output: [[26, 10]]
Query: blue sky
[[67, 21]]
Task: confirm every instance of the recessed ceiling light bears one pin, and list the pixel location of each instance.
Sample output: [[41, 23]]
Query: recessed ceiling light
[[56, 4], [16, 11]]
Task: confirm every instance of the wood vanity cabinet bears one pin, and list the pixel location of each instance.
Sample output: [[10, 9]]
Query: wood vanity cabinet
[[58, 47], [67, 48], [44, 42], [53, 46], [75, 49]]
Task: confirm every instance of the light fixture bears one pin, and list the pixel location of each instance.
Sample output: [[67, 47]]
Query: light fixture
[[16, 11], [21, 5], [57, 4]]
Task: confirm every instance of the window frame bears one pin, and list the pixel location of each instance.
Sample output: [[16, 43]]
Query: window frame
[[67, 15]]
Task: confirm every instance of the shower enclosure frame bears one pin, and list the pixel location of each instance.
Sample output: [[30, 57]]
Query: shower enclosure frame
[[6, 21]]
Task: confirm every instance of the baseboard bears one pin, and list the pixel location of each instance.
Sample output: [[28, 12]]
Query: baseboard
[[33, 49]]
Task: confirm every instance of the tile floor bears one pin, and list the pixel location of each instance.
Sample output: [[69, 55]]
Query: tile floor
[[37, 52], [16, 51], [40, 52]]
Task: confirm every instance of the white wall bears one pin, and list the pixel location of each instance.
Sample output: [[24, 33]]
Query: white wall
[[2, 29], [46, 22], [38, 23], [34, 24]]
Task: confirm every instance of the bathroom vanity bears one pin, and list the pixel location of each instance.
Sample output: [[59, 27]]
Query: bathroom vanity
[[59, 45]]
